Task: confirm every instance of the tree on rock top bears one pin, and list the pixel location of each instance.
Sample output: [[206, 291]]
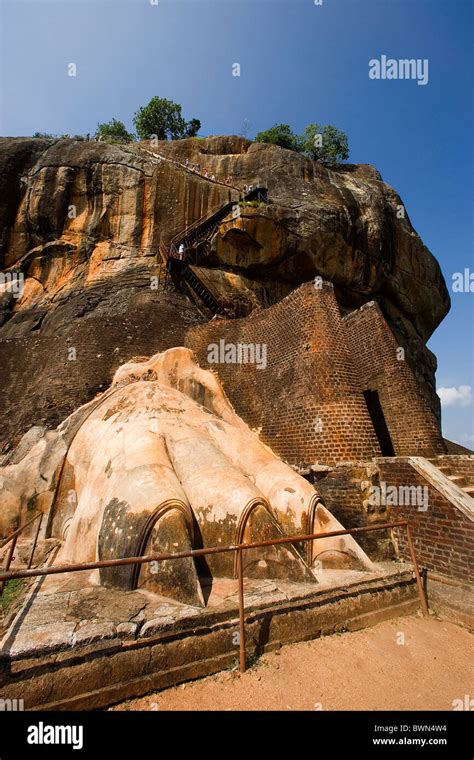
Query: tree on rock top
[[325, 143], [193, 127], [113, 131], [162, 119], [280, 134], [321, 143]]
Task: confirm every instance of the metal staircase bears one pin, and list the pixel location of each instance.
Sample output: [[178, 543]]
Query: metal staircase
[[204, 293], [198, 234]]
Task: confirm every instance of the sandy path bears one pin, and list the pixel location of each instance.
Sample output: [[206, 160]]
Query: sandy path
[[364, 670]]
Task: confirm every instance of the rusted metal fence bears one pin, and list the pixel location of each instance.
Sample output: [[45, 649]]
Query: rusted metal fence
[[238, 548], [12, 540]]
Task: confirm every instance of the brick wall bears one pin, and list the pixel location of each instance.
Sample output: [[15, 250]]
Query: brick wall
[[345, 490], [343, 496], [307, 401], [443, 535], [460, 464], [413, 428]]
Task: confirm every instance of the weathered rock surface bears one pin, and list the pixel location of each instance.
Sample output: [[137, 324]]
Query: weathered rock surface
[[83, 222], [160, 463]]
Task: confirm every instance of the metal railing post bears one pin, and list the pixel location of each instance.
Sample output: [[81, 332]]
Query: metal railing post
[[9, 559], [12, 539], [5, 576], [421, 591], [35, 540], [240, 576]]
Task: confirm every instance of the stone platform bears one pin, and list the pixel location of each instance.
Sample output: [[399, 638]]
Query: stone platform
[[77, 646]]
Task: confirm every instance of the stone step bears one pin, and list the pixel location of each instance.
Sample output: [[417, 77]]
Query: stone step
[[459, 480]]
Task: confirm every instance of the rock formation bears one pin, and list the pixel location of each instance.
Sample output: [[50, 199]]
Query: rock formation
[[83, 222], [127, 455]]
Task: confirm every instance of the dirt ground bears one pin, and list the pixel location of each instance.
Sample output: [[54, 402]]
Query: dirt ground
[[405, 664]]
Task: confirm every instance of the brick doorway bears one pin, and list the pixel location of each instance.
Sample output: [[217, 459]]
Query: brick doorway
[[378, 421]]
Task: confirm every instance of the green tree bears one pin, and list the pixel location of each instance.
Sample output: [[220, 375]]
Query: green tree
[[192, 128], [163, 118], [280, 134], [325, 143], [113, 131]]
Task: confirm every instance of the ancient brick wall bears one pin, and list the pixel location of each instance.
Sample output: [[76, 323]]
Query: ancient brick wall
[[460, 464], [443, 535], [413, 428], [307, 400], [343, 496], [345, 490]]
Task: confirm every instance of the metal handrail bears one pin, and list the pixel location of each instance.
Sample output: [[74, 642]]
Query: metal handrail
[[163, 253], [210, 216], [13, 537], [207, 218], [16, 533], [239, 549], [188, 169], [206, 224]]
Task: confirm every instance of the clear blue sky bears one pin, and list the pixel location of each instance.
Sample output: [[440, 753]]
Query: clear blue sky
[[300, 63]]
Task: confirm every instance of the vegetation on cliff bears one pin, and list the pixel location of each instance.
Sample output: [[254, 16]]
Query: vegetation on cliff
[[162, 119], [321, 143], [113, 131]]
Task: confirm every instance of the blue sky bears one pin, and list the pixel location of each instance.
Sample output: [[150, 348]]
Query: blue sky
[[300, 63]]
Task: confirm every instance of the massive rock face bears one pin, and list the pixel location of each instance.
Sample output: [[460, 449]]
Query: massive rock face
[[83, 221]]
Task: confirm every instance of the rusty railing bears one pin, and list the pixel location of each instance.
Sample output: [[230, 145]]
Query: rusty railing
[[12, 539], [239, 549]]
